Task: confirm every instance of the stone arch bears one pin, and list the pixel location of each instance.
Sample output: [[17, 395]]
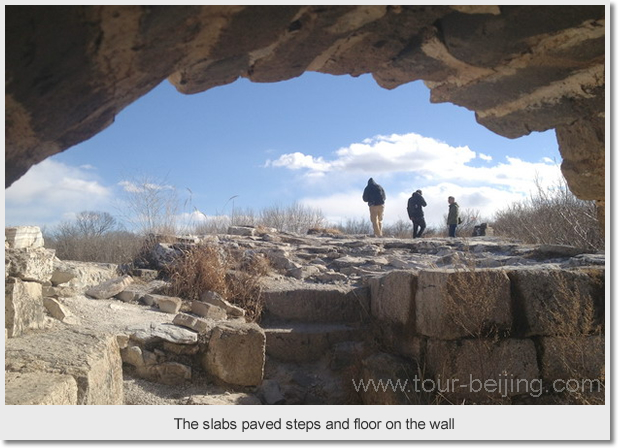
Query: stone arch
[[71, 69]]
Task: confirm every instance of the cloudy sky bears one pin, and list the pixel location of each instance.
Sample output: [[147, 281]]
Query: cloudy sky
[[314, 140]]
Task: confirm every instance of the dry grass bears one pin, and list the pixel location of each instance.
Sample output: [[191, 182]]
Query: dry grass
[[324, 230], [209, 268], [473, 298], [571, 317]]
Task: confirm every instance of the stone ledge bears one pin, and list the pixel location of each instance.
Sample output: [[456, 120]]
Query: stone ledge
[[92, 360]]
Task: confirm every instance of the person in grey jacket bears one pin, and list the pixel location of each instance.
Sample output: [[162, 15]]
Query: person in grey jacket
[[453, 216], [375, 197]]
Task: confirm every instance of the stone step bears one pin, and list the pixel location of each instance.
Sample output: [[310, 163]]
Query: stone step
[[308, 342], [318, 303], [86, 368]]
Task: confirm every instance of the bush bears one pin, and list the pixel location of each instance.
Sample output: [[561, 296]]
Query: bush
[[295, 218], [355, 227], [234, 276], [552, 216], [93, 237]]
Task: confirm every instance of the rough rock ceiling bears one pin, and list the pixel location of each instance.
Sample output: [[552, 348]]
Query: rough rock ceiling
[[71, 69]]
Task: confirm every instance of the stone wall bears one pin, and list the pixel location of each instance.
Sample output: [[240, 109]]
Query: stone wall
[[513, 328], [61, 366], [532, 320]]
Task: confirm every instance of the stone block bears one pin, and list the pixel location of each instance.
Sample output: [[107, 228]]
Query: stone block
[[241, 230], [31, 264], [301, 342], [388, 379], [23, 306], [236, 353], [132, 355], [81, 275], [128, 296], [577, 357], [318, 303], [181, 349], [169, 305], [393, 308], [478, 370], [92, 359], [392, 298], [23, 237], [123, 340], [109, 288], [170, 373], [208, 311], [56, 309], [166, 332], [213, 298], [199, 325], [551, 302], [60, 276], [451, 304], [39, 388]]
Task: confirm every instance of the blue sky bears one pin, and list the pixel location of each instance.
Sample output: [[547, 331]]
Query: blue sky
[[315, 139]]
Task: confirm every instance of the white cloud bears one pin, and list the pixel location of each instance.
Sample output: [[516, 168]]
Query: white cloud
[[51, 189], [382, 154], [424, 160], [297, 161], [140, 187], [339, 207]]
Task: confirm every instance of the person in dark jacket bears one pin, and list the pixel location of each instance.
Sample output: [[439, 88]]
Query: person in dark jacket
[[415, 213], [375, 197], [453, 216]]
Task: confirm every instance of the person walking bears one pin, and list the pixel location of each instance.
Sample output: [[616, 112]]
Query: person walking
[[453, 216], [375, 197], [415, 213]]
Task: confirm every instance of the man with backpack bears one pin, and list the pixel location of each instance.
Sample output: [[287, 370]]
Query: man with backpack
[[415, 213], [375, 197]]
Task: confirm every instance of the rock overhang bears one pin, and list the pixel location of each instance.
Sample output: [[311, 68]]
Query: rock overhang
[[519, 68]]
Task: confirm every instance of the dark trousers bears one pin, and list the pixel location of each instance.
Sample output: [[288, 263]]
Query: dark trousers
[[418, 225], [451, 229]]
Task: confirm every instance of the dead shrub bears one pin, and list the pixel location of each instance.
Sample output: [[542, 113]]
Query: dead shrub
[[235, 277], [572, 221], [244, 284]]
